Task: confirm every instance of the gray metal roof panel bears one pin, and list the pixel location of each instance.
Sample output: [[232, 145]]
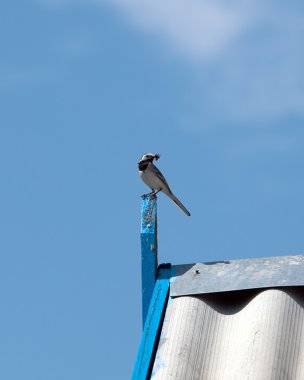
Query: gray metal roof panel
[[237, 274]]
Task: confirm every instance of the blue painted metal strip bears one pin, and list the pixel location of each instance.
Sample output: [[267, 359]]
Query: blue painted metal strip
[[148, 250], [153, 325]]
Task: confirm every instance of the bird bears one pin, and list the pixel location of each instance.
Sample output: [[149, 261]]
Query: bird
[[152, 177]]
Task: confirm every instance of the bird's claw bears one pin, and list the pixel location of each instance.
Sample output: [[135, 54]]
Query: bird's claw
[[150, 195]]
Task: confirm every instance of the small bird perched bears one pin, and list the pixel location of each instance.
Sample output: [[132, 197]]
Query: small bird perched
[[155, 180]]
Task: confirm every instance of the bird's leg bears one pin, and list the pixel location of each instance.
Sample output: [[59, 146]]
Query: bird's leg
[[146, 195], [155, 192]]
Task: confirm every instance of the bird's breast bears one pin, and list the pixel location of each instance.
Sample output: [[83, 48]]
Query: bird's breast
[[151, 179]]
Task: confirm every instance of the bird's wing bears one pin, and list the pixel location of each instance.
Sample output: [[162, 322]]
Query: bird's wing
[[160, 175]]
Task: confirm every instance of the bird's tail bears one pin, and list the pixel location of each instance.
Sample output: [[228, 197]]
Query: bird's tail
[[179, 203]]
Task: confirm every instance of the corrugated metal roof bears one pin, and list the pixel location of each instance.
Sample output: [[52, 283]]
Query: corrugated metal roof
[[231, 320], [241, 335], [225, 320]]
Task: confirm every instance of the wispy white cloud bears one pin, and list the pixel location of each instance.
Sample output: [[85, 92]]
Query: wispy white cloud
[[194, 28], [247, 55]]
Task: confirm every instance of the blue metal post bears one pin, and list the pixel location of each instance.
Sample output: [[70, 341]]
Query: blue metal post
[[149, 261]]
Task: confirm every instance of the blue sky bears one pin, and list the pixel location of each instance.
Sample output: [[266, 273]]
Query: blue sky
[[86, 88]]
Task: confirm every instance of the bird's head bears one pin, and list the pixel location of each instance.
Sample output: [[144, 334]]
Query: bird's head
[[149, 157]]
